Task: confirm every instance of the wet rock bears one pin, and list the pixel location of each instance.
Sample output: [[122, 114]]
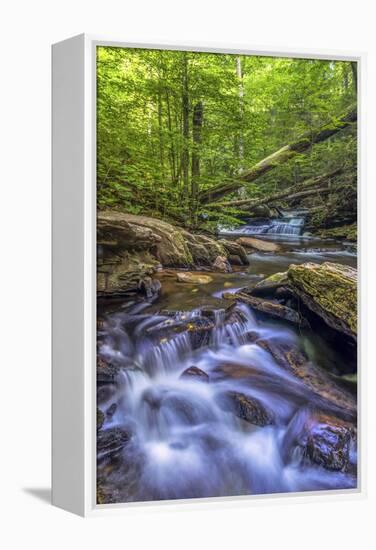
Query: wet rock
[[105, 392], [330, 291], [150, 287], [194, 373], [327, 442], [111, 441], [221, 264], [236, 253], [197, 328], [237, 371], [274, 309], [247, 408], [111, 410], [106, 371], [258, 244], [100, 419], [193, 278]]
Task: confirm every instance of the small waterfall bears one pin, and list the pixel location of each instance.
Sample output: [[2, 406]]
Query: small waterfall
[[279, 226]]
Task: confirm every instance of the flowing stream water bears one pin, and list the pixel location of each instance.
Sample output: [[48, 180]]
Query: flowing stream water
[[289, 225], [184, 439]]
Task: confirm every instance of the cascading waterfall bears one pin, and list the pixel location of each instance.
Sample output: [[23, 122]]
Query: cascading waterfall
[[281, 226], [183, 442]]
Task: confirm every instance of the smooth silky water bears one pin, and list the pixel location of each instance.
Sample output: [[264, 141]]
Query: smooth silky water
[[183, 443]]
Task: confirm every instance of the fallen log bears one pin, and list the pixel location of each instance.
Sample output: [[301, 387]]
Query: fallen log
[[285, 153], [286, 194]]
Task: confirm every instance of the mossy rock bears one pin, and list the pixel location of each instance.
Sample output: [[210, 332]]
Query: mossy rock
[[345, 232], [330, 291], [271, 283]]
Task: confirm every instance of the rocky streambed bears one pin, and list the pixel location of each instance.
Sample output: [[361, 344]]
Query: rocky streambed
[[222, 376]]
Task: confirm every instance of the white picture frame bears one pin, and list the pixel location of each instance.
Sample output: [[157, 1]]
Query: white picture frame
[[74, 276]]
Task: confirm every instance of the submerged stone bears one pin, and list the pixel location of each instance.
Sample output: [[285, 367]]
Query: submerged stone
[[193, 278]]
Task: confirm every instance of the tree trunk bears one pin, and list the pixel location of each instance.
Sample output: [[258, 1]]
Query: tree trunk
[[288, 194], [239, 74], [185, 118], [354, 68], [198, 113], [287, 152]]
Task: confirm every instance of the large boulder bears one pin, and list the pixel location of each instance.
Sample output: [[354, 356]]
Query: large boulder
[[330, 291], [203, 249], [164, 239], [131, 248], [258, 244]]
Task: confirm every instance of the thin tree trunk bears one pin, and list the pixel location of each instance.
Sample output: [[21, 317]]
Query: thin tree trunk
[[239, 74], [172, 147], [160, 135], [185, 123], [197, 121], [354, 68], [284, 154]]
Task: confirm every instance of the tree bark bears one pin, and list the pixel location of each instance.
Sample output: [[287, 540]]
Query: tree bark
[[287, 152], [290, 193], [354, 68], [197, 121], [185, 117]]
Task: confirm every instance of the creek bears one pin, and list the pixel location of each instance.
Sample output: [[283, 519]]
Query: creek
[[183, 438]]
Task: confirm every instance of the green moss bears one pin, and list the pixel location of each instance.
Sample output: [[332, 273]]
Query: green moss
[[330, 290], [277, 279], [348, 232]]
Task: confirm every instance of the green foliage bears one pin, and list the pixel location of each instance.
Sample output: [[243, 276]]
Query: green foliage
[[152, 158]]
